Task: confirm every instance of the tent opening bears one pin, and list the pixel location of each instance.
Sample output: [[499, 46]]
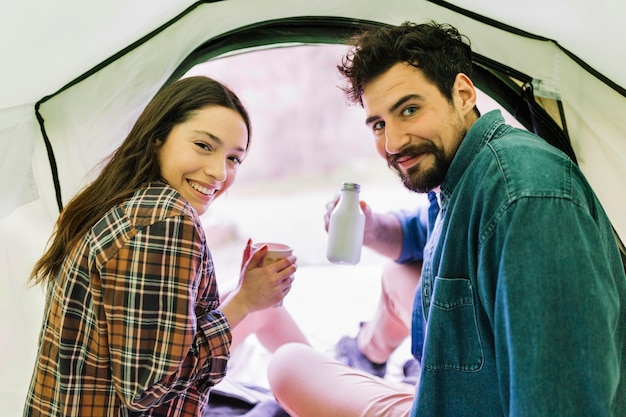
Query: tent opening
[[306, 140]]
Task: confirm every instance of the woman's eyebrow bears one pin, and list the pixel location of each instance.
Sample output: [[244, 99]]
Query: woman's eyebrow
[[210, 135], [216, 139]]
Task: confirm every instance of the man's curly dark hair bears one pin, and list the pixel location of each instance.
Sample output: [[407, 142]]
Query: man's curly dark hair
[[438, 50]]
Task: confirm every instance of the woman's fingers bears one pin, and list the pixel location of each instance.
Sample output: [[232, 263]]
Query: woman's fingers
[[246, 253]]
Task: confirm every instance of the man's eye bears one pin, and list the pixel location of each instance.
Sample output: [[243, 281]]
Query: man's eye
[[409, 111], [378, 126]]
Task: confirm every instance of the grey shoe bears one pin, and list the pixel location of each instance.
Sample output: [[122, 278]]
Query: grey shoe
[[349, 353], [266, 408], [411, 370]]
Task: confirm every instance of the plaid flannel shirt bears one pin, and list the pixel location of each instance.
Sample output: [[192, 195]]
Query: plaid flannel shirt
[[130, 325]]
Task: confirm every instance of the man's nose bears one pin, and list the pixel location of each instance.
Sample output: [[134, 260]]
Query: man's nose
[[395, 138]]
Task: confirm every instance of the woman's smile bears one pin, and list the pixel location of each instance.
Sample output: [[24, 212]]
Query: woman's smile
[[207, 191]]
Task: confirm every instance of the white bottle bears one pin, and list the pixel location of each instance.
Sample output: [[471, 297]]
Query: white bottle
[[346, 227]]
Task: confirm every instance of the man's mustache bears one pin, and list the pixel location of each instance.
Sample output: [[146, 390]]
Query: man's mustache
[[409, 152]]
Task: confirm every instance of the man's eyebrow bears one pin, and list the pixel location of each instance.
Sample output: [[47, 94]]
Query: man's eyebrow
[[395, 106], [371, 120], [216, 139]]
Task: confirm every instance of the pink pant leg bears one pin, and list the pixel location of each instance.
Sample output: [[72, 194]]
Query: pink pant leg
[[308, 384], [273, 327], [391, 322]]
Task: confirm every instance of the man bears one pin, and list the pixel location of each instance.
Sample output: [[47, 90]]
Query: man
[[523, 287]]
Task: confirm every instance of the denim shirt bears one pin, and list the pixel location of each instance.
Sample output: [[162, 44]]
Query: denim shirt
[[414, 224], [524, 292], [416, 227]]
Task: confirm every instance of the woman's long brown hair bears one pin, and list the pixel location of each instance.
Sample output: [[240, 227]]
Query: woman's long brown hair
[[133, 165]]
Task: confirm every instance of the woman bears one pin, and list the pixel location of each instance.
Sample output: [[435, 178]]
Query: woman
[[133, 323]]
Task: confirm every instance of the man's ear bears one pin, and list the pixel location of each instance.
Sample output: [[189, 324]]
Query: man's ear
[[465, 92]]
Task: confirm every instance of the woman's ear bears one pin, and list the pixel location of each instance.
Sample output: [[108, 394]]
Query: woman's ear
[[465, 92]]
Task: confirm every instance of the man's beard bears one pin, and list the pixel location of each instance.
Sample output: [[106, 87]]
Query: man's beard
[[420, 180]]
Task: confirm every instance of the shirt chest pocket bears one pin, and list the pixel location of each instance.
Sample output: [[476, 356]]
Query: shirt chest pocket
[[452, 340]]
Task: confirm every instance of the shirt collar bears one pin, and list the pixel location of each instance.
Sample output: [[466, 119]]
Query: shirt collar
[[479, 134]]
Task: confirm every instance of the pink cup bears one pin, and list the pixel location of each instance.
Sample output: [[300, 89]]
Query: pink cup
[[275, 251]]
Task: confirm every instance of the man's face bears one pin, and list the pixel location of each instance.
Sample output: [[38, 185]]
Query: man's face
[[416, 129]]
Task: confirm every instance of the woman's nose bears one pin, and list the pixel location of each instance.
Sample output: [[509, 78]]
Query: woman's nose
[[216, 169]]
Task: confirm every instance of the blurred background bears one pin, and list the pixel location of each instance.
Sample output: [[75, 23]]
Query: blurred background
[[306, 140]]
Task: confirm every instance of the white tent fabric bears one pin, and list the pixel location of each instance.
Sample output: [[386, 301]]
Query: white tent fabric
[[101, 62]]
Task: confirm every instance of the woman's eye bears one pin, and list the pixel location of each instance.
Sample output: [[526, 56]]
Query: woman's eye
[[235, 159], [378, 126], [204, 146]]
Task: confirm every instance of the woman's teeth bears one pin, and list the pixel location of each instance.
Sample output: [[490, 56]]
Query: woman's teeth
[[201, 189]]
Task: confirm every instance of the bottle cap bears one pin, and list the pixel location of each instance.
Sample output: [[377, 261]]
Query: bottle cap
[[350, 186]]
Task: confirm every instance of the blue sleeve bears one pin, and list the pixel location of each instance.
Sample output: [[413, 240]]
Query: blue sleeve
[[414, 233], [556, 311]]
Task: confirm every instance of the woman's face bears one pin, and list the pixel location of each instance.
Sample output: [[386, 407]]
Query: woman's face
[[200, 157]]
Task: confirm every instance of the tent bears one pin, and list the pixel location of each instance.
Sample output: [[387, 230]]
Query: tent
[[74, 76]]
